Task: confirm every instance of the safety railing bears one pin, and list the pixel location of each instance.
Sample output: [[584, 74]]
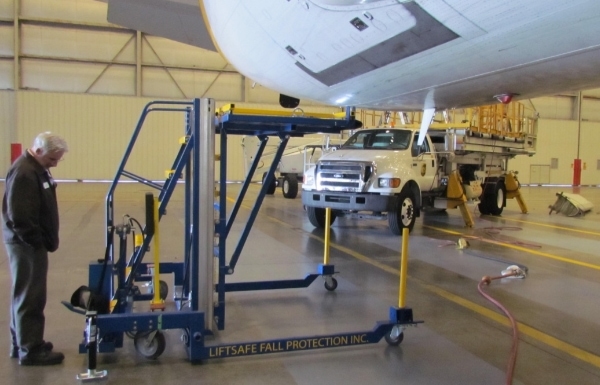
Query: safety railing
[[508, 120]]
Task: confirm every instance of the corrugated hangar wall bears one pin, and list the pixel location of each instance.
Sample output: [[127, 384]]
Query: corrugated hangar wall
[[64, 68], [67, 70], [98, 129]]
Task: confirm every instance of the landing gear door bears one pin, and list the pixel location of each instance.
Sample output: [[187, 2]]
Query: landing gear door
[[424, 163]]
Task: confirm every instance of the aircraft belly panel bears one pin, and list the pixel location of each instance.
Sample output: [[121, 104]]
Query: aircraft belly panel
[[466, 58], [427, 33], [524, 80]]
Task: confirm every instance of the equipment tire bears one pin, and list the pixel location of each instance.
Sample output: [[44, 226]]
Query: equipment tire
[[495, 200], [272, 186], [150, 344], [395, 336], [316, 216], [404, 215], [289, 186], [483, 208], [163, 289], [331, 286]]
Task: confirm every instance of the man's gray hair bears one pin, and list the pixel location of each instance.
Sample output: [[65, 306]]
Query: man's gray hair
[[50, 142]]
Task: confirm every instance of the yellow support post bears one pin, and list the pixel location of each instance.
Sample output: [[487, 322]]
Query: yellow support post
[[325, 269], [137, 243], [157, 302], [513, 190], [327, 231], [456, 197], [403, 269], [401, 316], [466, 215]]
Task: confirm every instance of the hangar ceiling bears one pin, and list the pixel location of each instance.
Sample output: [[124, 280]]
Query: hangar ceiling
[[68, 46]]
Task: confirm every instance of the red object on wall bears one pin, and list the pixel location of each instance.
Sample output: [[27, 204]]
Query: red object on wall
[[576, 172], [15, 151]]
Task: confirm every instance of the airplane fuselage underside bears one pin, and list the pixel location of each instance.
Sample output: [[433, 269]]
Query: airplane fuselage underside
[[387, 54]]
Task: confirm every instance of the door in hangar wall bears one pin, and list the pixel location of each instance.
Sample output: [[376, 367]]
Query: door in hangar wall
[[539, 174], [590, 172]]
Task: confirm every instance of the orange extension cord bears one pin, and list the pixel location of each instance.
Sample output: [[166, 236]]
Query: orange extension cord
[[515, 335]]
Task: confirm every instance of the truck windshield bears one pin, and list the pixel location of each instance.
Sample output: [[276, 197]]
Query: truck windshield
[[379, 139]]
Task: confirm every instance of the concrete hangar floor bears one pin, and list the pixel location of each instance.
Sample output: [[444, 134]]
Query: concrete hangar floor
[[464, 339]]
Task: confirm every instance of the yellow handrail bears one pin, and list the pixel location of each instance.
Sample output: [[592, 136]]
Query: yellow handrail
[[509, 120]]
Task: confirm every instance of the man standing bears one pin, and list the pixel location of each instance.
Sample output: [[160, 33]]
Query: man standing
[[30, 227]]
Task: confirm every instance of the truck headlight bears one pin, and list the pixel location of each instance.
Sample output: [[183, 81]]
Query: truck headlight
[[308, 179], [389, 182]]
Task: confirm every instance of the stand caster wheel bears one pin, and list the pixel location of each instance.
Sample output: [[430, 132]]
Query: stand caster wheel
[[150, 344], [163, 289], [331, 283], [395, 336], [185, 337]]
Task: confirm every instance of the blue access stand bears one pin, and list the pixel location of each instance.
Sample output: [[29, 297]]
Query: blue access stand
[[114, 277]]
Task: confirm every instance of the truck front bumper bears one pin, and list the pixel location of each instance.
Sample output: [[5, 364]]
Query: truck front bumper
[[348, 201]]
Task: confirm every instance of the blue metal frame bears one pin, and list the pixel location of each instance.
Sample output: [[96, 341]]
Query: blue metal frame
[[195, 217], [298, 343], [257, 204], [123, 319], [112, 326], [238, 203], [264, 127], [402, 317]]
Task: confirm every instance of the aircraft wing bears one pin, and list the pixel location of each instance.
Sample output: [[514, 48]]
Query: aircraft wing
[[179, 20]]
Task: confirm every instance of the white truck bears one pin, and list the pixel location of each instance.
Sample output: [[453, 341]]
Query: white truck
[[298, 153], [382, 172]]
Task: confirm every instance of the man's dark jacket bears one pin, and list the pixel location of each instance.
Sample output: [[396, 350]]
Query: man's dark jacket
[[29, 207]]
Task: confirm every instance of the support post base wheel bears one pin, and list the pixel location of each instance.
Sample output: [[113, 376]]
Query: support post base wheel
[[150, 344], [395, 336]]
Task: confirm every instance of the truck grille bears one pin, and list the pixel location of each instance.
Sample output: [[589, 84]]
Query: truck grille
[[344, 176]]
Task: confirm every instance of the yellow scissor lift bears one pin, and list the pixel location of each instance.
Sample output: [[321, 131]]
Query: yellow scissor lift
[[498, 131]]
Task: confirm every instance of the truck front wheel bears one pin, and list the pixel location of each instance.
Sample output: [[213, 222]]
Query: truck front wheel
[[289, 187], [404, 215], [316, 216]]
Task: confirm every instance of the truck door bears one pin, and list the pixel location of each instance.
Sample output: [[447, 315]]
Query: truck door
[[424, 163]]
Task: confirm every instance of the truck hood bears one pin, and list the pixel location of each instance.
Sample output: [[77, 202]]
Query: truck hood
[[366, 155]]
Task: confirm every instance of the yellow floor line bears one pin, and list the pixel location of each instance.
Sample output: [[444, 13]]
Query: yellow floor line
[[552, 226], [574, 351], [523, 329], [523, 249]]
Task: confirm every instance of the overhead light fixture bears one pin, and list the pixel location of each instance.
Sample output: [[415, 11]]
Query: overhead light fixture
[[343, 99]]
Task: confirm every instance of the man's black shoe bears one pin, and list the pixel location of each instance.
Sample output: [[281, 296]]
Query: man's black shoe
[[48, 346], [42, 357]]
